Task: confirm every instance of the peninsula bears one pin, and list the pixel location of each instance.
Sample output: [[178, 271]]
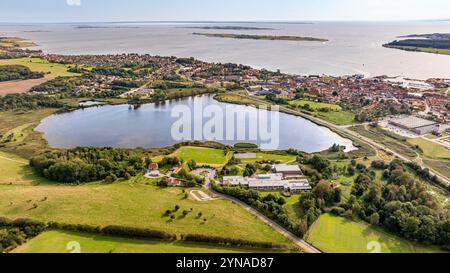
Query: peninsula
[[261, 37], [230, 28], [437, 43]]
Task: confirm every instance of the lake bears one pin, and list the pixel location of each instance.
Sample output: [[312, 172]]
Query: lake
[[152, 126]]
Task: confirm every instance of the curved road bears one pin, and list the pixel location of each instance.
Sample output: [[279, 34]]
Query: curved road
[[308, 248], [346, 130]]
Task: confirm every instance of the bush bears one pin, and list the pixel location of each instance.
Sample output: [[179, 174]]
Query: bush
[[137, 233], [228, 241]]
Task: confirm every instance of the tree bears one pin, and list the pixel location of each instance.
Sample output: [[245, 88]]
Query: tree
[[375, 219], [250, 170], [192, 164], [351, 170], [111, 178]]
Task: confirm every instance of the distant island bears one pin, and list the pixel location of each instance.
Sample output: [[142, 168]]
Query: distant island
[[437, 43], [94, 27], [261, 37], [230, 28]]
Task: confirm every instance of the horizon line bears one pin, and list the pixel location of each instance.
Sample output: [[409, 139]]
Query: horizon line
[[219, 21]]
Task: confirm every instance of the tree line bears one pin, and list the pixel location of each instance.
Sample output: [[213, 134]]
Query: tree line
[[88, 164], [18, 72], [28, 102]]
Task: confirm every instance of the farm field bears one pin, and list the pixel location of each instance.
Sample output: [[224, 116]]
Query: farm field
[[110, 204], [338, 235], [207, 156], [40, 65], [13, 87], [56, 242], [431, 149]]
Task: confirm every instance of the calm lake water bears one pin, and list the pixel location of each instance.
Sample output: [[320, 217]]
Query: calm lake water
[[353, 48], [150, 126]]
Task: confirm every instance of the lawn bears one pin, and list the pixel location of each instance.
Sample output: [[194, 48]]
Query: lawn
[[57, 242], [203, 156], [40, 65], [136, 203], [269, 157], [337, 235], [431, 149], [315, 105]]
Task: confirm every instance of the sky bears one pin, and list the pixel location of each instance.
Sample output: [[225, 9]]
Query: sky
[[221, 10]]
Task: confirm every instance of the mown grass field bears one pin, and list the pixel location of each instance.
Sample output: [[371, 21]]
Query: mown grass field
[[431, 149], [269, 157], [57, 242], [136, 203], [40, 65], [337, 235], [206, 156]]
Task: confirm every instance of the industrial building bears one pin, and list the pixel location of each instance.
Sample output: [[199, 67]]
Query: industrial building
[[288, 170], [416, 125], [281, 180]]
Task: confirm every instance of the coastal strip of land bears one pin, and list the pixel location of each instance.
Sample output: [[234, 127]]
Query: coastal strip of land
[[230, 28], [261, 37], [437, 43]]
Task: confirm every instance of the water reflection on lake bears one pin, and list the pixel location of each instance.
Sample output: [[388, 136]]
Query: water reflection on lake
[[150, 126]]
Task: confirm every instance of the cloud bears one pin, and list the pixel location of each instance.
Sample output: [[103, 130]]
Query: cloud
[[73, 2]]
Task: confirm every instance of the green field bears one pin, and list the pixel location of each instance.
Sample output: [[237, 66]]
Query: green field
[[315, 105], [110, 204], [387, 139], [40, 65], [424, 49], [336, 115], [337, 235], [25, 141], [338, 118], [15, 170], [203, 156], [269, 157], [57, 242], [431, 149]]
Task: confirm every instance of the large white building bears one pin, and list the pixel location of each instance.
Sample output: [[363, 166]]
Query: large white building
[[288, 170], [416, 125], [268, 182]]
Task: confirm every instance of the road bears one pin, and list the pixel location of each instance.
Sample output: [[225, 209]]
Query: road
[[346, 130], [308, 248]]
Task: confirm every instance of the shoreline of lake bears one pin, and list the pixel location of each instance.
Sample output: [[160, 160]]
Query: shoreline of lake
[[147, 127]]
